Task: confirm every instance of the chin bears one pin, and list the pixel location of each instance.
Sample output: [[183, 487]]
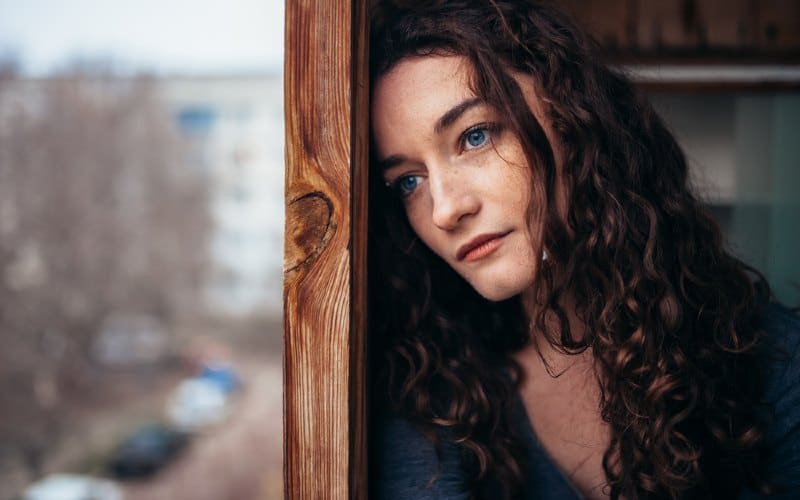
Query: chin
[[496, 290], [496, 295]]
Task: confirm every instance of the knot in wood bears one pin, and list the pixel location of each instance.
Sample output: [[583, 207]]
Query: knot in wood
[[308, 224]]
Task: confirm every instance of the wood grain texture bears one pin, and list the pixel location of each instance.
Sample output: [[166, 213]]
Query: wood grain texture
[[747, 31], [326, 92]]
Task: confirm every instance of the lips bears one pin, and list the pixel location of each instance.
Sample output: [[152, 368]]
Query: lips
[[480, 246]]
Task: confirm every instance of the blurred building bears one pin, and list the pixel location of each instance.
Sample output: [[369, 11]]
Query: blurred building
[[233, 137], [235, 130]]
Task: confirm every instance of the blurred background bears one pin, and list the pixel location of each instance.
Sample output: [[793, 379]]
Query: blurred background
[[141, 238], [725, 76], [141, 219]]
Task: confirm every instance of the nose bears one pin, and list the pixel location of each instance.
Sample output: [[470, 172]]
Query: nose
[[453, 200]]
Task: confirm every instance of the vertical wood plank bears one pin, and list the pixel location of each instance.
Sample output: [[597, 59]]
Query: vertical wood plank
[[359, 464], [326, 92]]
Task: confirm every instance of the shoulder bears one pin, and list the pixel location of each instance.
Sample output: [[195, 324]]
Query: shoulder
[[781, 353], [406, 465], [782, 394]]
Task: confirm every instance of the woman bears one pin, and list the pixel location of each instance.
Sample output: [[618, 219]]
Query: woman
[[560, 318]]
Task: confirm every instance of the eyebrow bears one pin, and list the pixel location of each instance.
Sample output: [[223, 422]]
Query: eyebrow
[[389, 162], [442, 123], [454, 113]]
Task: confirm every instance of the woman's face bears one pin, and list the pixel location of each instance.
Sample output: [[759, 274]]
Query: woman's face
[[462, 174]]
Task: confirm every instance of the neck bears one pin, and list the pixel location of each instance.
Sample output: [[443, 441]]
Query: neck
[[577, 328]]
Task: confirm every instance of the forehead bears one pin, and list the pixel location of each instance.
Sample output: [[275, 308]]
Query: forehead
[[416, 92], [418, 76]]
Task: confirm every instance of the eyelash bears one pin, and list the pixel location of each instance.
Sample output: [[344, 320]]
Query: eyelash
[[489, 128], [395, 186]]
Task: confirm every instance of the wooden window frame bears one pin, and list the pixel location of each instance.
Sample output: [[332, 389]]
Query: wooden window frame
[[327, 131]]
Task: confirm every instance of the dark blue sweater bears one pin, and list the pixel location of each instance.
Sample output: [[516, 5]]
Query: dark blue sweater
[[407, 463]]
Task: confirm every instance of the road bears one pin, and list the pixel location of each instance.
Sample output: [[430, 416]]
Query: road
[[237, 460]]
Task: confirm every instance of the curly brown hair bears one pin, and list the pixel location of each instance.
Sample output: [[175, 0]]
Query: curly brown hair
[[672, 318]]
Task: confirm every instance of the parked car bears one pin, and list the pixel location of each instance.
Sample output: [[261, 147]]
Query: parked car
[[72, 487], [197, 403], [147, 451], [222, 374]]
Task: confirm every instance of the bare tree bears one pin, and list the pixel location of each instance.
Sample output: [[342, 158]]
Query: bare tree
[[99, 214]]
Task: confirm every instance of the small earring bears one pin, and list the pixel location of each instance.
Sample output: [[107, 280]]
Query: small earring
[[544, 255]]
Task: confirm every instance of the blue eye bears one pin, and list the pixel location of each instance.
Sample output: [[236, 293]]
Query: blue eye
[[476, 137], [406, 184]]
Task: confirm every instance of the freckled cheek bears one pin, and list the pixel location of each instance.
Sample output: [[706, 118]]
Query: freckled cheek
[[419, 218], [516, 174], [511, 187], [415, 212]]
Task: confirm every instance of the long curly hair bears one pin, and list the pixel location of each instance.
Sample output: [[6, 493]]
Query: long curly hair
[[672, 318]]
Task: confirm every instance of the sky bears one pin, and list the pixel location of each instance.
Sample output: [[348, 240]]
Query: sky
[[173, 37]]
